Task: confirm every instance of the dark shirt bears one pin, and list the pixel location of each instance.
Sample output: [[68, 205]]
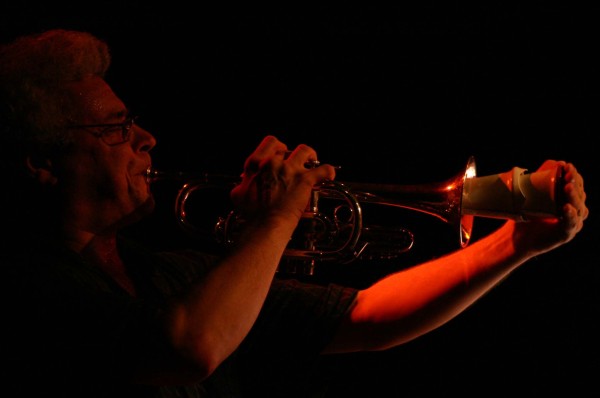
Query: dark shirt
[[70, 330]]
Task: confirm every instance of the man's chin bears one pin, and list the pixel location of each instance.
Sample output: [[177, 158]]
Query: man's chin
[[146, 208], [142, 211]]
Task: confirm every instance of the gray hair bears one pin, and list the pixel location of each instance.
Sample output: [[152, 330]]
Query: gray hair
[[33, 69]]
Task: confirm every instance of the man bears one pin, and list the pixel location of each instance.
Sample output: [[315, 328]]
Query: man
[[89, 313]]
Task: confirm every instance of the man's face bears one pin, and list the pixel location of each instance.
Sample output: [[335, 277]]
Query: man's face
[[103, 186]]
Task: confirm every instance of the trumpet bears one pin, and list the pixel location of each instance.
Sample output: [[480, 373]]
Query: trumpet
[[332, 226]]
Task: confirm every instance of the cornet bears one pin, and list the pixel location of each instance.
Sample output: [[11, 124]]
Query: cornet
[[332, 227]]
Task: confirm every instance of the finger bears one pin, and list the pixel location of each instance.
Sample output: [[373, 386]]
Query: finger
[[576, 196], [270, 146], [325, 172], [574, 184], [301, 156]]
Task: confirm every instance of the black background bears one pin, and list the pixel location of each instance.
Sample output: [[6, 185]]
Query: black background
[[401, 94]]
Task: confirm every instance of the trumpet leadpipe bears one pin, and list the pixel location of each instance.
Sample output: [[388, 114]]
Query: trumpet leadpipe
[[153, 175]]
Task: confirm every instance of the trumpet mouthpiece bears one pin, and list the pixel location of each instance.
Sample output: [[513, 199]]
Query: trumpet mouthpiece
[[153, 175]]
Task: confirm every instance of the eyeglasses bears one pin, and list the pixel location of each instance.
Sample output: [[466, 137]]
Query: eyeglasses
[[112, 133]]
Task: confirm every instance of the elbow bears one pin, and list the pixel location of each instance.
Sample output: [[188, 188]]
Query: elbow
[[201, 351], [188, 362], [206, 356]]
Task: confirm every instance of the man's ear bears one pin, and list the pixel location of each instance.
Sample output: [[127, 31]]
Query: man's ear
[[40, 168]]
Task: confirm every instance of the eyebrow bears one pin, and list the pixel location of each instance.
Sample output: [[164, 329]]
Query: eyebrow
[[121, 114]]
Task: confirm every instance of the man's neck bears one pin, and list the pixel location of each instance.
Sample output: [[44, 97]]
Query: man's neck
[[103, 252]]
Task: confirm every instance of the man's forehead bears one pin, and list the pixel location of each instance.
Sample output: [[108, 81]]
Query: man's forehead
[[94, 98]]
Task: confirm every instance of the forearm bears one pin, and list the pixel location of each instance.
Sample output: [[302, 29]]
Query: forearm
[[212, 321], [414, 301]]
